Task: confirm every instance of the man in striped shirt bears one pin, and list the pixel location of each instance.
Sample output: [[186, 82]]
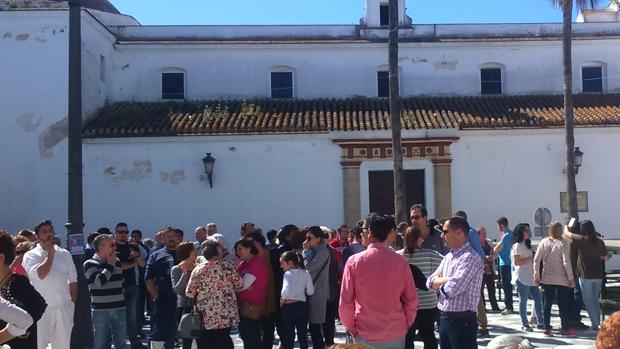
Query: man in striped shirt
[[105, 283]]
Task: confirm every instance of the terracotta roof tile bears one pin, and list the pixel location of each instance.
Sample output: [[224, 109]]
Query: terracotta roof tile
[[138, 119]]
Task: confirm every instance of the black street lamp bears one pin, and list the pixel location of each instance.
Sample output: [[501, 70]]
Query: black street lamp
[[208, 162], [578, 154]]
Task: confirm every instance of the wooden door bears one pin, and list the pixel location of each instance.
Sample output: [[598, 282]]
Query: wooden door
[[381, 190]]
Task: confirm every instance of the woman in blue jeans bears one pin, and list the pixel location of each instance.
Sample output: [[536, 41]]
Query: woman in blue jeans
[[522, 258], [590, 268]]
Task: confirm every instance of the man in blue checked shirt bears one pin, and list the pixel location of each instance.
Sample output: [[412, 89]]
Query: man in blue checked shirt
[[457, 282]]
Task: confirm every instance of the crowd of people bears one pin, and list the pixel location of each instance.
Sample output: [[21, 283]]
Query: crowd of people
[[387, 284]]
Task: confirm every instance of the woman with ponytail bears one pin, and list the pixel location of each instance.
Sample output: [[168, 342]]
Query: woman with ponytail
[[296, 286]]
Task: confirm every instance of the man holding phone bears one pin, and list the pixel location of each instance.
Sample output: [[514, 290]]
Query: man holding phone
[[52, 273]]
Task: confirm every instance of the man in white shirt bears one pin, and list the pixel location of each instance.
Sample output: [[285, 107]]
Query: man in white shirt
[[52, 273]]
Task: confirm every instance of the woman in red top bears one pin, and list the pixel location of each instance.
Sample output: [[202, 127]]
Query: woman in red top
[[252, 296]]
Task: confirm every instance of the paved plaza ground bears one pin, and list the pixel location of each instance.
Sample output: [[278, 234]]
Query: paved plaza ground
[[508, 324]]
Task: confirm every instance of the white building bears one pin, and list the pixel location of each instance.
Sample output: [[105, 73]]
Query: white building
[[297, 120]]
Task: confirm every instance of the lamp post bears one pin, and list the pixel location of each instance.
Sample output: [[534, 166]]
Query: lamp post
[[82, 334], [208, 162], [578, 156]]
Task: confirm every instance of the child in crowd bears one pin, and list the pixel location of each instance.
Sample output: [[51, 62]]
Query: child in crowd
[[296, 286]]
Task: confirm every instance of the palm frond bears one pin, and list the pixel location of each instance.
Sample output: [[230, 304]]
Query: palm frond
[[581, 4]]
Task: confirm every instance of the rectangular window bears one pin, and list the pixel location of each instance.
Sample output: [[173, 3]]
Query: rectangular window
[[491, 81], [101, 68], [384, 15], [383, 84], [592, 79], [173, 86], [281, 85]]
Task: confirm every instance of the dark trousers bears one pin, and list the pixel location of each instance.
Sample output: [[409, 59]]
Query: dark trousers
[[329, 327], [267, 326], [249, 330], [165, 321], [458, 333], [216, 339], [489, 281], [142, 299], [294, 316], [316, 334], [425, 324], [132, 292], [576, 303], [506, 274], [563, 294]]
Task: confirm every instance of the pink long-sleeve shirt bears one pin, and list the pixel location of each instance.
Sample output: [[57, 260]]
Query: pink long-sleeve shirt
[[378, 299]]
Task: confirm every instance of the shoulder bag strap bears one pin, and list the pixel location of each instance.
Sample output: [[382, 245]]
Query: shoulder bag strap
[[322, 268]]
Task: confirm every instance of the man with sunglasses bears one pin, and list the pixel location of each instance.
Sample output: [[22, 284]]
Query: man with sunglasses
[[457, 282], [431, 239], [131, 256]]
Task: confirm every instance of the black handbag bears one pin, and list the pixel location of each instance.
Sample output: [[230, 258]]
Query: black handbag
[[191, 325]]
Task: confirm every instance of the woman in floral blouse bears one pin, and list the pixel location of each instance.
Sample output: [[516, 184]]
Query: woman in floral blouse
[[213, 285]]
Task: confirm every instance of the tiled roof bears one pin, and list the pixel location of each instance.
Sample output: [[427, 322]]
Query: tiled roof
[[141, 119]]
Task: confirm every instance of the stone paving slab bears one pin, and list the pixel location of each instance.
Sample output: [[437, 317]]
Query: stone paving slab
[[506, 324]]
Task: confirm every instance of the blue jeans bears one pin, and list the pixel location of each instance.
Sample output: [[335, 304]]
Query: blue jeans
[[458, 333], [105, 321], [591, 292], [506, 275], [524, 293], [131, 298]]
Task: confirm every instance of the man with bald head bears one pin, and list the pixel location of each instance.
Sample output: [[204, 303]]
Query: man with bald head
[[201, 236]]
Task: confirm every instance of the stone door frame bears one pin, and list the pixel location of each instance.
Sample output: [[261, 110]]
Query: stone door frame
[[356, 151]]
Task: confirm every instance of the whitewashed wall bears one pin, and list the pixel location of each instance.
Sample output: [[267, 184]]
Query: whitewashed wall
[[511, 173], [34, 48], [346, 70], [268, 180]]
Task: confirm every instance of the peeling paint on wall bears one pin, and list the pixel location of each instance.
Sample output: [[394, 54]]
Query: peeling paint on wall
[[125, 67], [28, 121], [22, 37], [40, 39], [51, 136], [419, 60], [445, 65], [7, 36], [140, 169], [173, 177]]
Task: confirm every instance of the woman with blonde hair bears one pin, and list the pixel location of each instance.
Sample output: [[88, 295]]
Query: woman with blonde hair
[[556, 279]]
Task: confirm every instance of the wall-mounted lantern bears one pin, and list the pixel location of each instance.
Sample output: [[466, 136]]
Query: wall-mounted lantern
[[208, 162]]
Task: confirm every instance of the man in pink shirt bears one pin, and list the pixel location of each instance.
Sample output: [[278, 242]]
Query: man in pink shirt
[[378, 299]]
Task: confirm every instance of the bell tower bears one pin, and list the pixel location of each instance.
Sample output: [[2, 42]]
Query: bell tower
[[376, 14]]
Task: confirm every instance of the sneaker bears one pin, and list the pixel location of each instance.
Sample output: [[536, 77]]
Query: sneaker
[[569, 333], [540, 327], [548, 332], [581, 326], [595, 328], [496, 310], [508, 312], [527, 329], [482, 333]]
